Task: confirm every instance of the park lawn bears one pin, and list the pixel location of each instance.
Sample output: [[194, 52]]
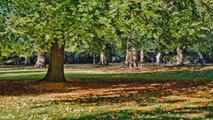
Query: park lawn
[[107, 93], [94, 72]]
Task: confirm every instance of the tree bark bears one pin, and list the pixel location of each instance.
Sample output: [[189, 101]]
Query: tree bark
[[158, 56], [40, 63], [127, 57], [179, 56], [132, 58], [142, 56], [102, 59], [55, 71], [94, 59], [200, 59], [27, 61]]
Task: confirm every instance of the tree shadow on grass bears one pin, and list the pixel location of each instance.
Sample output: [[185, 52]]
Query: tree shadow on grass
[[121, 87], [99, 93], [182, 114]]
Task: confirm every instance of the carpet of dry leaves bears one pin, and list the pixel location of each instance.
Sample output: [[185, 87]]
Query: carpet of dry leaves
[[125, 95], [127, 99]]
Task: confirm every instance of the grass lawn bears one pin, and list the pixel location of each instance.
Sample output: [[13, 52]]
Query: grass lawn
[[109, 92]]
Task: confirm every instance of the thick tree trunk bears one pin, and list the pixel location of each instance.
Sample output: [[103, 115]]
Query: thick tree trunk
[[55, 71], [158, 56], [94, 59], [102, 59], [27, 61], [179, 56], [142, 56], [40, 61]]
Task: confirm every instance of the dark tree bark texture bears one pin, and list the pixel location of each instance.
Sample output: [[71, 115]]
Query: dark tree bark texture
[[55, 71]]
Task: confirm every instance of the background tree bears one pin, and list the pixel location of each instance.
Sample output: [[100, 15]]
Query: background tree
[[184, 25], [96, 28]]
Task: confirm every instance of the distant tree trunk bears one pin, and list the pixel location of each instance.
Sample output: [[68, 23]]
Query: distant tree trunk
[[135, 58], [132, 58], [103, 60], [142, 56], [127, 56], [179, 56], [55, 71], [113, 59], [158, 56], [94, 59], [17, 61], [200, 59], [27, 61], [40, 63], [129, 59]]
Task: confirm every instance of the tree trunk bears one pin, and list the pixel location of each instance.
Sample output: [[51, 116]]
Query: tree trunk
[[94, 59], [102, 59], [55, 71], [179, 56], [135, 58], [158, 56], [127, 57], [200, 59], [27, 61], [132, 58], [40, 61], [142, 56]]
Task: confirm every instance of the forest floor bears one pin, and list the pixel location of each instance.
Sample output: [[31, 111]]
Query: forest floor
[[108, 92]]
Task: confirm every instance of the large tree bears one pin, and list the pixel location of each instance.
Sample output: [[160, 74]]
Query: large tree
[[48, 22]]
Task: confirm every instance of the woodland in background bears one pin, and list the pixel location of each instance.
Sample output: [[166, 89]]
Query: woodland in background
[[137, 30]]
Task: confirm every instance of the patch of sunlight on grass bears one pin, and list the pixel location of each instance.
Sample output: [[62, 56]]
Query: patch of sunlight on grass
[[22, 71], [46, 108], [103, 73], [22, 76]]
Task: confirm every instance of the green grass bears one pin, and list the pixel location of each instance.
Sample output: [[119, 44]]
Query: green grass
[[87, 111], [36, 75], [204, 75], [22, 75], [103, 95]]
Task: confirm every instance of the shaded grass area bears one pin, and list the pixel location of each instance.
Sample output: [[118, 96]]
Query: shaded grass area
[[87, 100], [105, 96]]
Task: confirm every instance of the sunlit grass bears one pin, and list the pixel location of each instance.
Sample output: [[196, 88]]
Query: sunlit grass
[[30, 108], [36, 75], [105, 95], [95, 72]]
